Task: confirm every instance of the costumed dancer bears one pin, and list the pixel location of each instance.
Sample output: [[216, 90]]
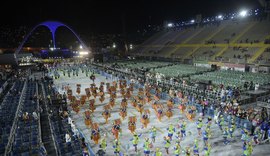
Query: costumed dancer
[[167, 144], [171, 129], [153, 133], [158, 152], [205, 137], [207, 150], [199, 126], [177, 150], [221, 122], [225, 136], [116, 147], [135, 141], [183, 129], [103, 144], [196, 148], [146, 147]]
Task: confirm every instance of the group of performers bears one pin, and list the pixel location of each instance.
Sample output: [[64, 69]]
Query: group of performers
[[151, 95]]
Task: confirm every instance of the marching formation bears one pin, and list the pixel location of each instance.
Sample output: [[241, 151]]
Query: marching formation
[[146, 99]]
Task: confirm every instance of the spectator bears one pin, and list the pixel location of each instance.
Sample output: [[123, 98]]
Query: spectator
[[257, 86], [35, 116], [25, 116], [100, 152], [85, 152], [68, 138], [42, 150], [74, 130]]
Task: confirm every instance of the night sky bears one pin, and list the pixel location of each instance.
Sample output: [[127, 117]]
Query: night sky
[[101, 16]]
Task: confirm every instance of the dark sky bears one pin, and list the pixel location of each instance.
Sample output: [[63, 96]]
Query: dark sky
[[105, 16]]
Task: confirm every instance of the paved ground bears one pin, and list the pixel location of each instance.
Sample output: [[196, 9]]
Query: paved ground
[[218, 148]]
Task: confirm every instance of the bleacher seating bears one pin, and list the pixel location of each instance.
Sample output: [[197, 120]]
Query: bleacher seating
[[206, 41], [27, 137], [8, 111]]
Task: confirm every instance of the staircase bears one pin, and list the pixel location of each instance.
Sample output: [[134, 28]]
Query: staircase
[[184, 42], [206, 39], [257, 54], [220, 52], [243, 32], [46, 134]]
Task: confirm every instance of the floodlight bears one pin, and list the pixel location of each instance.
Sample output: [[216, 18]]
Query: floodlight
[[220, 17], [83, 52], [243, 13], [170, 25]]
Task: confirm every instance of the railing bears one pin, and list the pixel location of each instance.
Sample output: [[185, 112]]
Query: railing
[[3, 87], [46, 102], [14, 127], [261, 102], [38, 108]]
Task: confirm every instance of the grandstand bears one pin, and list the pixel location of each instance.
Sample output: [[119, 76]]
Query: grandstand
[[229, 40]]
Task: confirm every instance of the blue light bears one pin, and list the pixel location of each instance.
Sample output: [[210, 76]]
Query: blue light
[[52, 26]]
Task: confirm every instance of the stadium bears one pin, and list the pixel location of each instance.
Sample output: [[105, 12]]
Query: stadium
[[195, 87]]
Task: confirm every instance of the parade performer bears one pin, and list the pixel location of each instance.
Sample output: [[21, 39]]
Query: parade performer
[[146, 147], [171, 129], [187, 151], [153, 133], [244, 136], [232, 129], [135, 141], [225, 135], [247, 149], [183, 129], [177, 150], [116, 147], [158, 152], [167, 144], [196, 148], [199, 126], [145, 118], [221, 122], [257, 135], [179, 137], [103, 144], [205, 137], [95, 133], [207, 150], [116, 129]]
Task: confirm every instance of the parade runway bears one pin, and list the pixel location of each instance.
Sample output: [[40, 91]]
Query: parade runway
[[234, 148]]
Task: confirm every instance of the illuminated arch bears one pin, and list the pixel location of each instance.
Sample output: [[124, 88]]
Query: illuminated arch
[[52, 26]]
